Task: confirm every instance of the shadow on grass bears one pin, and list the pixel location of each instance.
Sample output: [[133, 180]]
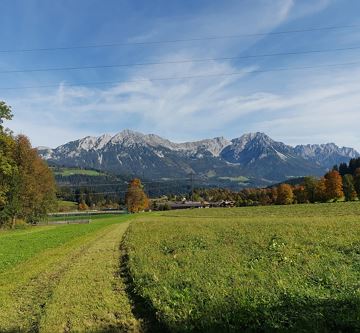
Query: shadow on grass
[[142, 310], [290, 315]]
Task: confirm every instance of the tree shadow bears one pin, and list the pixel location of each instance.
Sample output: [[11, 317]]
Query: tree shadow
[[288, 315], [142, 309]]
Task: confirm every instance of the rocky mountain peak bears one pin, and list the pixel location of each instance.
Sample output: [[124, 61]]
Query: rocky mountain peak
[[251, 155]]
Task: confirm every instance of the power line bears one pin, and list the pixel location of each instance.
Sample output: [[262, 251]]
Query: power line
[[71, 68], [330, 66], [172, 41]]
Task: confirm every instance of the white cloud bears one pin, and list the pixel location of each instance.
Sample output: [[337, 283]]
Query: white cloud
[[198, 107], [188, 109]]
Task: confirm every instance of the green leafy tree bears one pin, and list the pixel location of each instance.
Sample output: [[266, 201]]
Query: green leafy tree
[[349, 188], [5, 114], [300, 194], [310, 188]]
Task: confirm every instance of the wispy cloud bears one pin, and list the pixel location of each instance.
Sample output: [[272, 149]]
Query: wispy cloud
[[303, 109]]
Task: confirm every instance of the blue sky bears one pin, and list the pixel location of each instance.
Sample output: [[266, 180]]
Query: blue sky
[[295, 106]]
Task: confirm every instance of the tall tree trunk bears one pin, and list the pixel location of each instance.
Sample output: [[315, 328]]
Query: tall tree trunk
[[13, 221]]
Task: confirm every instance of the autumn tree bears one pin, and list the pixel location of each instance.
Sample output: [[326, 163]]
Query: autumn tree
[[285, 195], [349, 188], [135, 198], [33, 190], [7, 166], [320, 190], [27, 185], [334, 187]]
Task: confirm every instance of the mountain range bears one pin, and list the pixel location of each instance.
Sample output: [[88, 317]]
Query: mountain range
[[253, 156]]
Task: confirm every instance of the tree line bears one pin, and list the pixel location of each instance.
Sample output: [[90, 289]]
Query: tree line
[[27, 186], [342, 182]]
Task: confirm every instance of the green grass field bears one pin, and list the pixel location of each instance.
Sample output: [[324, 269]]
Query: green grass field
[[66, 205], [79, 216], [252, 269], [75, 171], [64, 279], [239, 179]]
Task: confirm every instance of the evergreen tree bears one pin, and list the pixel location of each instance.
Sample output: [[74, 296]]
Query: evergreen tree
[[343, 169], [353, 165], [357, 182], [349, 188]]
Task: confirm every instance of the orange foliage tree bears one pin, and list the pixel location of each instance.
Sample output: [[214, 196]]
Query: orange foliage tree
[[320, 190], [36, 184], [135, 198], [334, 185], [285, 195]]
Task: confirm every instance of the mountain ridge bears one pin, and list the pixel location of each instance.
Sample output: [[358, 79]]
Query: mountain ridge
[[254, 155]]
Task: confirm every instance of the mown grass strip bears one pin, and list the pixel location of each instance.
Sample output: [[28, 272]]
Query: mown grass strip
[[20, 245], [26, 288], [91, 296]]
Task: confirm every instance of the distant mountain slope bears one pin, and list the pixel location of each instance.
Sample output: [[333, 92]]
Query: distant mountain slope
[[253, 155], [265, 158], [326, 155]]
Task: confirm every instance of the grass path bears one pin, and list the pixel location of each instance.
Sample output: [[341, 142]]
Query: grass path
[[91, 296], [73, 287]]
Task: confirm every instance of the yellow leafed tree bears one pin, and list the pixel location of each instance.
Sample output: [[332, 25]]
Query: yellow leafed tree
[[334, 185], [135, 198]]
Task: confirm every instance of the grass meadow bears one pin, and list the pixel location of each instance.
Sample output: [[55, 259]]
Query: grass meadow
[[251, 269], [64, 279], [76, 171]]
